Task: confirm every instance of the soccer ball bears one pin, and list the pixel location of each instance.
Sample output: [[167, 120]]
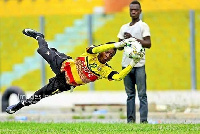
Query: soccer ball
[[133, 49]]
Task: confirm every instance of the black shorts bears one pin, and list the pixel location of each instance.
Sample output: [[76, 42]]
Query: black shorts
[[51, 55], [57, 83], [55, 60]]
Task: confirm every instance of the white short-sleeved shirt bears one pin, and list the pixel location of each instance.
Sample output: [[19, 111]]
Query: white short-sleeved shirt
[[138, 30]]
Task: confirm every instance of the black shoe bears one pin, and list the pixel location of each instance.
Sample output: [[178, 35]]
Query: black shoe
[[13, 108], [32, 33], [144, 122], [131, 121]]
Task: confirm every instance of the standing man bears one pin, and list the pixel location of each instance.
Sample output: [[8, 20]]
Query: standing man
[[137, 76]]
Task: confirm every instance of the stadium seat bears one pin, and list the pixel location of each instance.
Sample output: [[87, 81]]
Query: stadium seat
[[170, 34]]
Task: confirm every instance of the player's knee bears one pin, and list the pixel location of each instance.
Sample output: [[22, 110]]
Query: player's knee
[[142, 95], [42, 50], [42, 43]]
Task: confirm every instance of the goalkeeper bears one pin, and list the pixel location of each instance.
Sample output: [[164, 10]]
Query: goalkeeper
[[88, 67]]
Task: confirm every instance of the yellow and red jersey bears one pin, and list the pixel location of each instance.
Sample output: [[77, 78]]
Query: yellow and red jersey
[[84, 69], [87, 68]]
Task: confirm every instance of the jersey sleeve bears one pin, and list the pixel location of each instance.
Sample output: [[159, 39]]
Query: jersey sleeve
[[122, 74], [101, 48], [145, 30], [121, 33], [89, 49], [114, 75]]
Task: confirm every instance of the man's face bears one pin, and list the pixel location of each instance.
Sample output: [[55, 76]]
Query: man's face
[[106, 56], [135, 11]]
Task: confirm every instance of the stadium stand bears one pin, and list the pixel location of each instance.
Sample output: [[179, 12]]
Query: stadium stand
[[47, 7], [169, 55], [11, 40], [65, 42], [172, 49], [167, 5], [170, 52]]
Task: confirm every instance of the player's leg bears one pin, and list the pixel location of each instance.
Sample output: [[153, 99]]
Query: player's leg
[[32, 33], [141, 87], [129, 82], [51, 55], [56, 85]]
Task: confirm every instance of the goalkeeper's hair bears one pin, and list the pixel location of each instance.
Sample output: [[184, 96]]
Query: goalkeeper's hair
[[136, 2]]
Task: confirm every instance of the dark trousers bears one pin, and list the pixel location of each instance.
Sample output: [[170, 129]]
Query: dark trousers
[[56, 84], [137, 76]]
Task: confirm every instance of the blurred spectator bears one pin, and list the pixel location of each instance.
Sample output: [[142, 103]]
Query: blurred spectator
[[137, 76]]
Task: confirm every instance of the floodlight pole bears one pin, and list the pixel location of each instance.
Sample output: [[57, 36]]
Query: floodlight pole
[[43, 70], [90, 42], [0, 68], [192, 50]]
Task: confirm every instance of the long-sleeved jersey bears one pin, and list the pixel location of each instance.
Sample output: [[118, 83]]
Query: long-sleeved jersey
[[87, 68]]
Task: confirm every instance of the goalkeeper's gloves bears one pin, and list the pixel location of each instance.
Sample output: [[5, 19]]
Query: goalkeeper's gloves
[[119, 44], [124, 42], [134, 61]]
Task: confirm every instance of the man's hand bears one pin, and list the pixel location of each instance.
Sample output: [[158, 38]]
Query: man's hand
[[122, 43], [132, 39], [134, 61], [127, 35]]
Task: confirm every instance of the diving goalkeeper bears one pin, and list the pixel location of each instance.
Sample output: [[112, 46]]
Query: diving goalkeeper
[[88, 67]]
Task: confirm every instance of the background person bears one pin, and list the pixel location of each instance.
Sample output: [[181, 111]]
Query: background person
[[137, 76]]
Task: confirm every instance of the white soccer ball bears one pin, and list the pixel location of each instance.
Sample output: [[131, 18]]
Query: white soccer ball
[[133, 49]]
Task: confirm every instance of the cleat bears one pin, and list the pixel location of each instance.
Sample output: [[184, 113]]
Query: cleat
[[144, 122], [32, 33], [13, 108], [10, 109]]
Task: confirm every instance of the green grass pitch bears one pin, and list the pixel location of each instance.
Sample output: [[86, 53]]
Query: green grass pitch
[[95, 128]]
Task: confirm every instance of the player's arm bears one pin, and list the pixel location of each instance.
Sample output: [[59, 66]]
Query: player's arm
[[124, 72], [146, 42], [126, 35], [105, 47], [120, 48]]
